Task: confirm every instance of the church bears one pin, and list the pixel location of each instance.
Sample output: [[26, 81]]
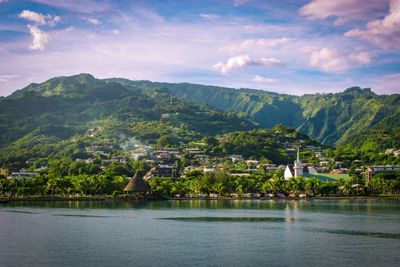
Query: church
[[298, 169]]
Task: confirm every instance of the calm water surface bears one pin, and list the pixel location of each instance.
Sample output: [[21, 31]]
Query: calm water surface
[[203, 233]]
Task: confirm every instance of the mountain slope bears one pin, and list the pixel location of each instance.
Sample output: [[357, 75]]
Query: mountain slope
[[43, 115], [330, 118]]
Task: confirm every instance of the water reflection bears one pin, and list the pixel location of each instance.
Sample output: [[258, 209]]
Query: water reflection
[[229, 219], [357, 233], [291, 207]]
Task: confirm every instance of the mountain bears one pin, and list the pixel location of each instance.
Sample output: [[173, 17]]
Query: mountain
[[42, 118], [39, 119], [335, 118]]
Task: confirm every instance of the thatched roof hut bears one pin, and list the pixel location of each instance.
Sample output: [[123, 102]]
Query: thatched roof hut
[[136, 185]]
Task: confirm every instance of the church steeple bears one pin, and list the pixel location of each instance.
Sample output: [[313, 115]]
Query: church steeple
[[298, 165], [298, 155]]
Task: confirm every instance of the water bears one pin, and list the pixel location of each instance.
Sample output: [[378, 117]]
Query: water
[[202, 233]]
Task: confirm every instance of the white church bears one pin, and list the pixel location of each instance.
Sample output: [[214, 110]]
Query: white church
[[299, 169]]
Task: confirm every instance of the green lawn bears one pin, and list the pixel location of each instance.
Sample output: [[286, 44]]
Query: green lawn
[[326, 177]]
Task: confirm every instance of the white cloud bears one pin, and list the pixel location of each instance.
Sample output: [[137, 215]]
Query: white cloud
[[384, 33], [361, 58], [209, 16], [261, 79], [52, 21], [40, 38], [251, 44], [3, 1], [5, 77], [93, 21], [240, 2], [33, 16], [243, 61], [87, 6], [40, 19], [343, 10], [330, 60]]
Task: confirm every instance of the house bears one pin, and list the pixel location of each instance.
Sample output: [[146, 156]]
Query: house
[[393, 151], [269, 167], [137, 156], [165, 116], [251, 162], [193, 150], [162, 170], [22, 175], [236, 158], [324, 163], [379, 168], [4, 172], [209, 170]]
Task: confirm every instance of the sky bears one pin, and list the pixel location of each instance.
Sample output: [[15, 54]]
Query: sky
[[287, 46]]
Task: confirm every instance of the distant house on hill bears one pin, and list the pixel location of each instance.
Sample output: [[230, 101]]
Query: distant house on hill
[[162, 170], [21, 175], [379, 168]]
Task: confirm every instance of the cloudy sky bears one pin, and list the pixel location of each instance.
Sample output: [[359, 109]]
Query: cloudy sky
[[287, 46]]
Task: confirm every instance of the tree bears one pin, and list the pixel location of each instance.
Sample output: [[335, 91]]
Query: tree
[[166, 141], [312, 186], [217, 188], [179, 187]]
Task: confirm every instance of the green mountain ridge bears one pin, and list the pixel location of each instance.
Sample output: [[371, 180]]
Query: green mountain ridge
[[37, 120], [334, 118]]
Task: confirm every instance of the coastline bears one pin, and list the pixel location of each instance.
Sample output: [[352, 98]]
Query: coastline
[[130, 199]]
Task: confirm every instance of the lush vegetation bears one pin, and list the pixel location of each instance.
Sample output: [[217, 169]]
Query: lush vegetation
[[81, 134], [40, 119], [331, 118], [92, 181], [65, 177], [223, 184]]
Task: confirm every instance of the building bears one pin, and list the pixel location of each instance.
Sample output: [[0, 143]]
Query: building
[[136, 185], [379, 168], [4, 172], [236, 158], [22, 175], [288, 174], [298, 165], [162, 170], [209, 170], [298, 169]]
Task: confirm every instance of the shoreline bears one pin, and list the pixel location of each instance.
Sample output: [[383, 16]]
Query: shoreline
[[132, 199]]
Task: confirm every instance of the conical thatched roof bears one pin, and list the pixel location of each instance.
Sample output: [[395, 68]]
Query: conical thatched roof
[[136, 184]]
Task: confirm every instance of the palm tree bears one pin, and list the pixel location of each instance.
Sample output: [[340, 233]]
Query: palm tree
[[194, 186], [267, 186], [312, 186], [218, 188], [179, 187]]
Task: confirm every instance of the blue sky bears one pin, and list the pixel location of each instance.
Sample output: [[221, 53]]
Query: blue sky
[[286, 46]]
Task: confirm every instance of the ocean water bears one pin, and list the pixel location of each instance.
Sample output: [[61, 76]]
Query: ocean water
[[201, 233]]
